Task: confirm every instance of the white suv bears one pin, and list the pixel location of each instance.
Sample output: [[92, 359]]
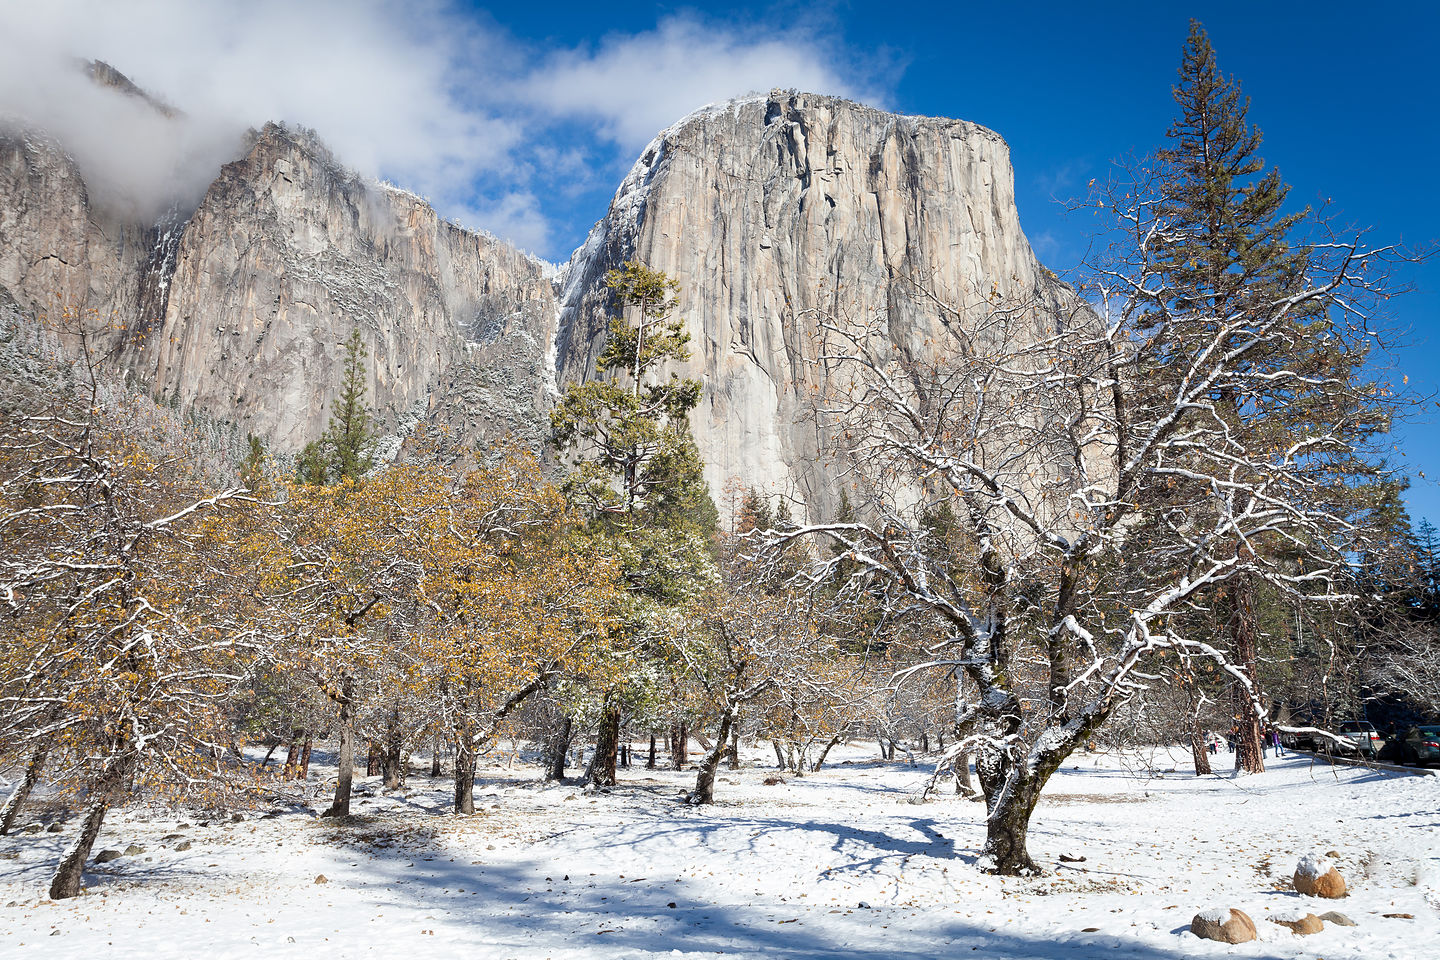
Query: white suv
[[1367, 741]]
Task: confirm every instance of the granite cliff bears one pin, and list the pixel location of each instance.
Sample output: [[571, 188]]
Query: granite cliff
[[771, 212]]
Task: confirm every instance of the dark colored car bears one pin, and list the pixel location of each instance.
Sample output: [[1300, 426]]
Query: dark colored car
[[1416, 746]]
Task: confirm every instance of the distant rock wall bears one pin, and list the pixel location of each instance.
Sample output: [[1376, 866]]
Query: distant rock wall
[[771, 212], [774, 211]]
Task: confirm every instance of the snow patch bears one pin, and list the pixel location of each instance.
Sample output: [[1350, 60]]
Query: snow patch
[[1214, 914], [1314, 865]]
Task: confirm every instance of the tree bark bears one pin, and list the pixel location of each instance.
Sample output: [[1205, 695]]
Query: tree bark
[[607, 743], [734, 753], [679, 745], [705, 777], [345, 763], [372, 759], [963, 784], [21, 793], [556, 747], [650, 763], [1249, 754], [1012, 789], [824, 752], [392, 763], [779, 755], [305, 759], [464, 774], [66, 882], [435, 758], [292, 757], [1200, 752]]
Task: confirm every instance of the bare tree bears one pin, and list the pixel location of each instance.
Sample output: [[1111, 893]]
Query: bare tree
[[1098, 487]]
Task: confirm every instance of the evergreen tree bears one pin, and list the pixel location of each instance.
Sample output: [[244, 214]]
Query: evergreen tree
[[1227, 256], [637, 471], [347, 448]]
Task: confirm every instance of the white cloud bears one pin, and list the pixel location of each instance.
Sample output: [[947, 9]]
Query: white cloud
[[636, 85], [417, 92]]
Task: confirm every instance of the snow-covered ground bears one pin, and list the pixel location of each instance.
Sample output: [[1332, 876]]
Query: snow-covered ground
[[831, 865]]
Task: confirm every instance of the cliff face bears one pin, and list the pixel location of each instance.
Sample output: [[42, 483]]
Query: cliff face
[[239, 308], [60, 252], [289, 252], [772, 213], [775, 212]]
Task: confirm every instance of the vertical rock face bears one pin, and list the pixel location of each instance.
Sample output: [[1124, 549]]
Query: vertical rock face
[[239, 308], [773, 212], [60, 252], [289, 252]]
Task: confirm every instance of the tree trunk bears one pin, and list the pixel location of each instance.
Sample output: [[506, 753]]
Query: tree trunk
[[607, 743], [779, 754], [679, 745], [556, 748], [1199, 751], [21, 793], [963, 784], [464, 774], [435, 758], [268, 754], [705, 778], [66, 882], [305, 759], [1249, 754], [372, 759], [820, 760], [392, 763], [1012, 789], [650, 763], [345, 763], [734, 749], [292, 757], [924, 741]]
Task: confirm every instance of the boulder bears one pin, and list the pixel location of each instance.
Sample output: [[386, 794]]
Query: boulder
[[1316, 876], [1224, 924], [54, 828], [134, 849], [1300, 924], [182, 846], [1337, 918], [105, 856]]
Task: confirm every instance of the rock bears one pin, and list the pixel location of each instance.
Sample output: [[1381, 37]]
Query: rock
[[1066, 858], [182, 846], [321, 878], [1300, 924], [1226, 925], [764, 209], [172, 836], [1316, 876], [54, 828], [34, 828], [105, 856], [1337, 918], [237, 818], [134, 850]]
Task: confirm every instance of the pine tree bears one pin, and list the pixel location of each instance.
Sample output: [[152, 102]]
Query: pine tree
[[1227, 252], [637, 471], [347, 448]]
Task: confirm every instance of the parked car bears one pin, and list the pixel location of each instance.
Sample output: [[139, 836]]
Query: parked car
[[1362, 735], [1417, 746]]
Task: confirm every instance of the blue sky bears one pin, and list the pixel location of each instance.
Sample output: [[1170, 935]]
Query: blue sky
[[522, 118], [1345, 94]]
